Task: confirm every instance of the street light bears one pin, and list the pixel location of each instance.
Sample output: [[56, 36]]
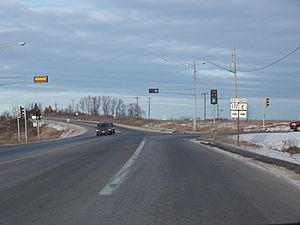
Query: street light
[[195, 92], [19, 43], [229, 70]]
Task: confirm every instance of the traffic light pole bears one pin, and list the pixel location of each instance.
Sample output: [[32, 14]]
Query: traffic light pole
[[149, 108], [238, 128], [38, 129], [215, 128], [264, 115], [18, 124], [195, 97], [25, 120]]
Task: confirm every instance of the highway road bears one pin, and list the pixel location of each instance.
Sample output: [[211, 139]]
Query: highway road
[[137, 178]]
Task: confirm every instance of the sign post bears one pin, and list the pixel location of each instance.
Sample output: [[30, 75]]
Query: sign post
[[238, 129], [238, 108], [18, 123], [25, 120], [38, 130]]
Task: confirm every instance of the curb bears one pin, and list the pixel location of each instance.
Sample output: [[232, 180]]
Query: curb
[[262, 158]]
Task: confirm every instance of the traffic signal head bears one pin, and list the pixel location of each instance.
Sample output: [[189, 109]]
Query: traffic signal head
[[37, 114], [22, 112], [267, 102], [214, 96], [154, 90]]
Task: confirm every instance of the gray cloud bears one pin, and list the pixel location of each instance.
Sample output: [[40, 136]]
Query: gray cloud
[[118, 45]]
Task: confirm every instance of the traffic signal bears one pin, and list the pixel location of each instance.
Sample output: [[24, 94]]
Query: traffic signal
[[153, 90], [267, 102], [22, 112], [214, 96], [37, 114]]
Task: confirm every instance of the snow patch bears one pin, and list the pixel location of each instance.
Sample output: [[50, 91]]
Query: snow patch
[[272, 144], [68, 130]]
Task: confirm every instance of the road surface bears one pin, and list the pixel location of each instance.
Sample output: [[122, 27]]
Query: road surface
[[137, 178]]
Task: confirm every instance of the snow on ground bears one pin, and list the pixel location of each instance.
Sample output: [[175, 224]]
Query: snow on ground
[[272, 144], [68, 130]]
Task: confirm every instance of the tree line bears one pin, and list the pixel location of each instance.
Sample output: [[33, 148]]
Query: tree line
[[102, 105], [89, 105]]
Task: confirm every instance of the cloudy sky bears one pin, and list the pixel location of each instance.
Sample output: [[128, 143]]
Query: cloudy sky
[[116, 47]]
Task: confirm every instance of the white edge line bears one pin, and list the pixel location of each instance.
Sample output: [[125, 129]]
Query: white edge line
[[122, 174]]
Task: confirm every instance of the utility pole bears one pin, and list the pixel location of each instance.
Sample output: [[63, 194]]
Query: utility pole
[[137, 106], [55, 107], [195, 91], [204, 103], [94, 106], [195, 96], [73, 106], [233, 65], [149, 108]]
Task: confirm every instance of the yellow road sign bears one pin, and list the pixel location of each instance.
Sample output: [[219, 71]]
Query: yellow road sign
[[40, 79]]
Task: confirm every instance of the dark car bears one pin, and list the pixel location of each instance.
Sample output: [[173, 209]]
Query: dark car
[[103, 129], [295, 125], [113, 128]]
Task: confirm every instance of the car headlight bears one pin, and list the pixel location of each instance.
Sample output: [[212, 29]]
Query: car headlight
[[97, 130], [293, 124]]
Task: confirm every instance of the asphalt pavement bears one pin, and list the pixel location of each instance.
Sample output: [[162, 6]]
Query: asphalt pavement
[[137, 178]]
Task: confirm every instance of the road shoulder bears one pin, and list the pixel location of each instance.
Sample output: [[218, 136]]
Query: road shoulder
[[287, 171]]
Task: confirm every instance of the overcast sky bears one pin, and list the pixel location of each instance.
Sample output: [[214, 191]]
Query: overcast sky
[[115, 47]]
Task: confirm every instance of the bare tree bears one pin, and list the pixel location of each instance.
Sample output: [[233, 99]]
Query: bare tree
[[14, 110], [106, 104], [114, 103], [134, 110], [6, 115], [97, 105], [85, 104], [120, 108]]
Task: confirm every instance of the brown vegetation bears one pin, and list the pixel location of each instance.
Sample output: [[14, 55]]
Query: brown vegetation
[[292, 150]]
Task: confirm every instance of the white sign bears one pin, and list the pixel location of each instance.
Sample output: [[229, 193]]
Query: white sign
[[238, 104], [35, 124], [238, 108], [243, 114]]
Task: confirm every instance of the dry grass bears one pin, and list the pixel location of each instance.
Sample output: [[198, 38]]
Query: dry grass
[[49, 133], [10, 136], [292, 150]]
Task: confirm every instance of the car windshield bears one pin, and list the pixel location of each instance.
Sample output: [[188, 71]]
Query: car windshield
[[102, 125]]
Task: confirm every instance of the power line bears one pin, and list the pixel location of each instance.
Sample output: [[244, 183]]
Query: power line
[[271, 64], [268, 37]]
